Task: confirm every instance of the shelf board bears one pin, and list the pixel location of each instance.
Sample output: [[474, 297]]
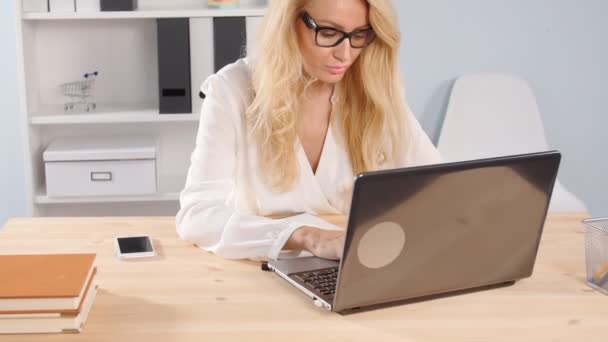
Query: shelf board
[[42, 198], [54, 115], [167, 191], [193, 12]]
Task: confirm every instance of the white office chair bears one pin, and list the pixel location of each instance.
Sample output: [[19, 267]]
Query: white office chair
[[494, 115]]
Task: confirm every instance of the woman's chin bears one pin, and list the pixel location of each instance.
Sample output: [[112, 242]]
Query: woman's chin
[[331, 78]]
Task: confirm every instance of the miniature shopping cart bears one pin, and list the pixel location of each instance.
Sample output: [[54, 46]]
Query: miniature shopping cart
[[80, 93]]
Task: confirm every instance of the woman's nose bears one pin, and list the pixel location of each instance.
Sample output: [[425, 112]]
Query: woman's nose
[[342, 51]]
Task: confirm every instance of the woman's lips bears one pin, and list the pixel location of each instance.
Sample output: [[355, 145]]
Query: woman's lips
[[336, 69]]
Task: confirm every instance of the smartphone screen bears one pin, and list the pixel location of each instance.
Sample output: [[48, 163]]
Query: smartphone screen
[[135, 244]]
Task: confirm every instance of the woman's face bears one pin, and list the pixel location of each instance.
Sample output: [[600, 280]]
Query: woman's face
[[329, 64]]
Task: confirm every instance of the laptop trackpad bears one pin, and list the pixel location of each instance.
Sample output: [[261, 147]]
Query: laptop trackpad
[[288, 266]]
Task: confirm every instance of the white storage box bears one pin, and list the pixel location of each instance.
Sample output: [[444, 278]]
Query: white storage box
[[88, 5], [109, 166], [35, 5], [62, 5]]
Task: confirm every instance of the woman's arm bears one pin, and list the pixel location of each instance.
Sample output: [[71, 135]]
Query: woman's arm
[[421, 150], [205, 218]]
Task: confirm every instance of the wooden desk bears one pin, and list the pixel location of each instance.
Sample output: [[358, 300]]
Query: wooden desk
[[190, 295]]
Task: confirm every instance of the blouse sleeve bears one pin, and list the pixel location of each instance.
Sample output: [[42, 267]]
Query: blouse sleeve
[[205, 218]]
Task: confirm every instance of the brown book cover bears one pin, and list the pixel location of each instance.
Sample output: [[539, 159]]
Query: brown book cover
[[60, 312], [54, 282]]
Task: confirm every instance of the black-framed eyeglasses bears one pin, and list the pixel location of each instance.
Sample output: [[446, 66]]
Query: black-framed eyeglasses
[[329, 37]]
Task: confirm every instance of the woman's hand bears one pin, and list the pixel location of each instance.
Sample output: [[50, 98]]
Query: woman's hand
[[327, 244]]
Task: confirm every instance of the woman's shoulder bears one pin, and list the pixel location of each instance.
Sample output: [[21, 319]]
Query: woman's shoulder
[[233, 80]]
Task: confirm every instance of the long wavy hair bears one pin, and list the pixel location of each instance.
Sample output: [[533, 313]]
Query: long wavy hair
[[370, 108]]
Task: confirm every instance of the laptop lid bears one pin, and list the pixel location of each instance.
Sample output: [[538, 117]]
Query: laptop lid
[[433, 229]]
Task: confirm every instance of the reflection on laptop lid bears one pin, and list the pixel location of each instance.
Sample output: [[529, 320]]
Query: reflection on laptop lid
[[421, 231]]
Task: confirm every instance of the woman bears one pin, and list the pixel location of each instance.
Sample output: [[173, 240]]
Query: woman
[[284, 135]]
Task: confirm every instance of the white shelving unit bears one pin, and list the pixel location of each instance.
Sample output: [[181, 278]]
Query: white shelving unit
[[55, 48], [109, 114], [192, 12]]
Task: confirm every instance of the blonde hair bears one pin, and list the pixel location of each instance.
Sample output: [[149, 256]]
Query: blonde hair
[[372, 116]]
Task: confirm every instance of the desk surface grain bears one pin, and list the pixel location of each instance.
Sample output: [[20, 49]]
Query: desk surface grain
[[186, 294]]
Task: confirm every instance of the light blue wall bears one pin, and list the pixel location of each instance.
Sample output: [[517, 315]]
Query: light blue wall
[[12, 181], [559, 46]]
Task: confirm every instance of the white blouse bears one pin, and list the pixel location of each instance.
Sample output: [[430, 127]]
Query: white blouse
[[225, 201]]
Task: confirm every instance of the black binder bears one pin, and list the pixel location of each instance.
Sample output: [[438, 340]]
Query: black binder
[[229, 40], [174, 66], [118, 5]]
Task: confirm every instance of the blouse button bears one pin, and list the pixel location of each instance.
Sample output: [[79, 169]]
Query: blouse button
[[346, 186], [381, 158]]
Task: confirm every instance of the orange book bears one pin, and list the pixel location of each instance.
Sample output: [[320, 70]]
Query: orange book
[[51, 322], [44, 283]]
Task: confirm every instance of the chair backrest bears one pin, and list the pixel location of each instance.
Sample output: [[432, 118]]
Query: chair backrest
[[491, 115]]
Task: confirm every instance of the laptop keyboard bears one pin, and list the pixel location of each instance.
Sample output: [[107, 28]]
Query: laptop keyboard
[[321, 281]]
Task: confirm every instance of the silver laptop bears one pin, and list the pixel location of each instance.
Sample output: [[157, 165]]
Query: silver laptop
[[429, 230]]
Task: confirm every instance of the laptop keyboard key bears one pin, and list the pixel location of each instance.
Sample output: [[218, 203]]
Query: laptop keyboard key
[[322, 282]]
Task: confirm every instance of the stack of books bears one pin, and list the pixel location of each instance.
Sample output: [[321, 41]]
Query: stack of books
[[223, 4], [50, 293]]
